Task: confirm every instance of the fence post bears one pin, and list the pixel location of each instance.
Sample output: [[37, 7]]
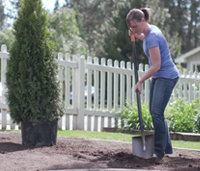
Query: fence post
[[109, 87], [80, 94], [122, 86], [109, 93], [89, 102], [116, 92], [3, 81], [116, 86], [103, 63], [128, 78], [60, 77], [96, 96], [190, 87], [133, 86], [185, 84], [3, 70]]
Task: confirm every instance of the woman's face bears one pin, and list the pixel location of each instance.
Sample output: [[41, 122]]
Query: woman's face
[[136, 26]]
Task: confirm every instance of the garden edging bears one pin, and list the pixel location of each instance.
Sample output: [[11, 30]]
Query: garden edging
[[173, 135]]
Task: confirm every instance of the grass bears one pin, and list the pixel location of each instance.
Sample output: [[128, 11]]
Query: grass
[[120, 137], [186, 144], [116, 137], [95, 135]]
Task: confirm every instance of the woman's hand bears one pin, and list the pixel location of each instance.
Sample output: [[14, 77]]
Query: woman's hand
[[138, 87], [141, 36]]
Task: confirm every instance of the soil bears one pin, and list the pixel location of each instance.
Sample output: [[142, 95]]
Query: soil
[[76, 153]]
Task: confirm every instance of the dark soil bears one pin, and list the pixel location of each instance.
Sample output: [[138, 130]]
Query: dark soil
[[75, 153]]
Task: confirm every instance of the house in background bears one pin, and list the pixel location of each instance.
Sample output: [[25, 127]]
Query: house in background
[[190, 59]]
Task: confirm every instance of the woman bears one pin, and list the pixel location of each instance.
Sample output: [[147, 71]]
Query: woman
[[162, 70]]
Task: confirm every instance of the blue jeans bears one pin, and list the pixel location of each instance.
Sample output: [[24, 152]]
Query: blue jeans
[[160, 92]]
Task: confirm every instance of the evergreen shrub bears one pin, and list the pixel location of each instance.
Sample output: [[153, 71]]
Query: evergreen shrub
[[33, 87]]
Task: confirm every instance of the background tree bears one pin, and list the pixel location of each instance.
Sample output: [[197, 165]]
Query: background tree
[[2, 15], [33, 88], [7, 37], [185, 19], [56, 6], [113, 41], [65, 32], [90, 16], [159, 17], [13, 9]]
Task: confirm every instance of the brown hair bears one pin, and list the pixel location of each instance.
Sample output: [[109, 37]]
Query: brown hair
[[138, 14]]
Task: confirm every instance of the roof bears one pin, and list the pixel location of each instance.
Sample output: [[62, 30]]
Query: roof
[[183, 58]]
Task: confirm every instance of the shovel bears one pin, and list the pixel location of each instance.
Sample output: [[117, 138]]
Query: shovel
[[142, 146]]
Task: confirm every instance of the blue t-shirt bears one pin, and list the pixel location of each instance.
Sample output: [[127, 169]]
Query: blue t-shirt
[[155, 38]]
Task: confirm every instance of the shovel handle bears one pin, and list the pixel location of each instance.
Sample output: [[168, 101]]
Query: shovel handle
[[132, 37], [134, 57], [137, 93]]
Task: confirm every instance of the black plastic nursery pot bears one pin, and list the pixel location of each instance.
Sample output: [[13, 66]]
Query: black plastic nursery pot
[[40, 134]]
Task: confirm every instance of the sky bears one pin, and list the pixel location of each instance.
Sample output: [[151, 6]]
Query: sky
[[48, 4]]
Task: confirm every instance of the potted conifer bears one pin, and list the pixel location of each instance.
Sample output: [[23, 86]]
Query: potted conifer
[[33, 88]]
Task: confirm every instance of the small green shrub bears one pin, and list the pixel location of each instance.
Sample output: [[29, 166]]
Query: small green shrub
[[130, 117], [197, 122], [183, 116]]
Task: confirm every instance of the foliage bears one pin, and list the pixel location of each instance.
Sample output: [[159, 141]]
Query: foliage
[[14, 8], [66, 37], [102, 23], [6, 37], [56, 6], [130, 117], [183, 116], [89, 17], [185, 18], [33, 87], [65, 32], [113, 41], [159, 17], [2, 15]]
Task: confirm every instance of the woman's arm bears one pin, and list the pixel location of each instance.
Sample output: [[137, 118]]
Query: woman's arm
[[156, 64], [141, 36]]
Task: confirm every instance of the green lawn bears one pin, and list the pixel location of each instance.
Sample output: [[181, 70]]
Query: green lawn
[[120, 137], [117, 137]]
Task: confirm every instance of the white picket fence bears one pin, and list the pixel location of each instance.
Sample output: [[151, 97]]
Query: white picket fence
[[113, 84]]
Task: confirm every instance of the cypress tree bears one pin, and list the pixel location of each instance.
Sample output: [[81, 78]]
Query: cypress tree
[[56, 6], [33, 87]]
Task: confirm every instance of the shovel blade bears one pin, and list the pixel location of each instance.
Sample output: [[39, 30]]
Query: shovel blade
[[137, 146]]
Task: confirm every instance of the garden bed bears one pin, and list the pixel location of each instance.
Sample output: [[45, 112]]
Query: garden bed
[[76, 153]]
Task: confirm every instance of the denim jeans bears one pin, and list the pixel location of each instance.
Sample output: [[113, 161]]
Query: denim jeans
[[160, 92]]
